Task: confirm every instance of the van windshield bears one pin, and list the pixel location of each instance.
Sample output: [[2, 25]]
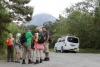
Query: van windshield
[[72, 39]]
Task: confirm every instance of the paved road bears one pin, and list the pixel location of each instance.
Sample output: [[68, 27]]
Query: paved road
[[62, 60]]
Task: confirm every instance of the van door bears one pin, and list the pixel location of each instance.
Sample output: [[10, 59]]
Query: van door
[[57, 45], [73, 43]]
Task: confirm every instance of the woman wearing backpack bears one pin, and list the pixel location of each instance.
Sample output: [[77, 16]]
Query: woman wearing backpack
[[17, 45], [39, 47], [9, 43]]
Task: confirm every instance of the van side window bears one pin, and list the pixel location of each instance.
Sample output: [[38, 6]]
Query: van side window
[[59, 40], [62, 40]]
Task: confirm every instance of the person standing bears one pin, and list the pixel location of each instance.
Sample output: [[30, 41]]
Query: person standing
[[39, 47], [17, 44], [27, 46], [46, 44], [9, 43]]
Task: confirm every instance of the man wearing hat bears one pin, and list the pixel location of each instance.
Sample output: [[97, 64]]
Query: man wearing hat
[[27, 46]]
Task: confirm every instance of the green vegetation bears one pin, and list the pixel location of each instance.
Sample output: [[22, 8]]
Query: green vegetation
[[81, 20], [3, 54], [87, 50], [9, 12]]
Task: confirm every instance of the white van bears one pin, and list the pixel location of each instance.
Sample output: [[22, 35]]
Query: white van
[[67, 43]]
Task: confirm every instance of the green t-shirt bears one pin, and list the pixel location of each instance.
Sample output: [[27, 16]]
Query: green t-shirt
[[18, 41], [29, 38]]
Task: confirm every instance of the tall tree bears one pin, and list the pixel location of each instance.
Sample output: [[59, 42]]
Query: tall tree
[[4, 22], [86, 6], [13, 10], [19, 11]]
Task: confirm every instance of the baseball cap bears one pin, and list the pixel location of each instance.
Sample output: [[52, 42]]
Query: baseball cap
[[28, 29]]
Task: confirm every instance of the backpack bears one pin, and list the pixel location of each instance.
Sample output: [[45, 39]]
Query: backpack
[[9, 42], [23, 38], [41, 38]]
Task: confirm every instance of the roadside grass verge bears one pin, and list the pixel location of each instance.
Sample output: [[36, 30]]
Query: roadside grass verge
[[3, 54], [51, 49], [87, 50]]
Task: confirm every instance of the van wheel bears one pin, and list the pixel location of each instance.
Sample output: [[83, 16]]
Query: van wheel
[[55, 49], [62, 50], [74, 51], [66, 51]]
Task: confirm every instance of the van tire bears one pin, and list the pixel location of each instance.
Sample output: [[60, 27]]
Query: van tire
[[55, 49], [66, 51], [62, 49], [74, 51]]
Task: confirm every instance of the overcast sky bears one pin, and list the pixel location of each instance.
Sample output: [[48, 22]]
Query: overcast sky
[[53, 7]]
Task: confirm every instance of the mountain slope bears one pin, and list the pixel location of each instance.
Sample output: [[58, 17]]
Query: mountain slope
[[39, 19]]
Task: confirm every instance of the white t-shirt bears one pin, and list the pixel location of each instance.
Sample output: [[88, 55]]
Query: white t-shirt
[[13, 40]]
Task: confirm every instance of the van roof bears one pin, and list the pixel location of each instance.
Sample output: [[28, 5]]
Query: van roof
[[69, 35]]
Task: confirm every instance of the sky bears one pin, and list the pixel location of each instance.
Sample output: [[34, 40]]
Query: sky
[[53, 7]]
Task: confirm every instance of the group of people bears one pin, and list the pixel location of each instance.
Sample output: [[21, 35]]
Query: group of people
[[24, 49]]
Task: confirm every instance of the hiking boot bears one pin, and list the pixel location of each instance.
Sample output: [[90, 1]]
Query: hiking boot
[[7, 60], [12, 61], [17, 61], [41, 60], [29, 61], [32, 61], [23, 62], [44, 59], [47, 59], [37, 62], [20, 58]]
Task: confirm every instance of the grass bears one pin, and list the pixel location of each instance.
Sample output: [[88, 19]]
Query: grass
[[88, 50], [51, 49], [3, 54]]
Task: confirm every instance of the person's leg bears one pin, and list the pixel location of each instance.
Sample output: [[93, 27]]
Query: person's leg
[[41, 55], [11, 53], [24, 54], [8, 54], [17, 54], [47, 52], [29, 53], [21, 49], [37, 57], [32, 54]]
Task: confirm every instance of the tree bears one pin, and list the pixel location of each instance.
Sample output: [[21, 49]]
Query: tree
[[19, 11], [83, 21], [4, 22], [86, 6], [14, 10]]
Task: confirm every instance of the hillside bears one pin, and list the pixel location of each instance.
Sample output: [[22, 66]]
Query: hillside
[[39, 19]]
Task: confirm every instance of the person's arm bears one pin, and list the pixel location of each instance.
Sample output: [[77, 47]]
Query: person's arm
[[47, 37], [18, 42]]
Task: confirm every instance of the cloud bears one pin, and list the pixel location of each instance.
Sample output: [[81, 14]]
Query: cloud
[[53, 7]]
